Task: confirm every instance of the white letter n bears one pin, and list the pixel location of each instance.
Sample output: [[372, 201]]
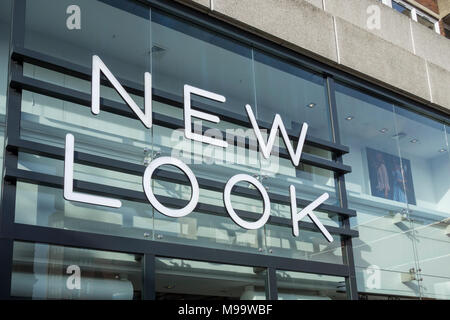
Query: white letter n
[[97, 66]]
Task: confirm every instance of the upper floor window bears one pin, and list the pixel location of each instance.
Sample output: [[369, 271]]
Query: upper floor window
[[401, 8], [414, 13], [447, 30]]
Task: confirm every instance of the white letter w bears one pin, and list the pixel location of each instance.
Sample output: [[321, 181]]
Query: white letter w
[[278, 123]]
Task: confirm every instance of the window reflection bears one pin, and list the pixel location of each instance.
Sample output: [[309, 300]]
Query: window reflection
[[125, 45], [296, 94], [401, 8], [427, 149], [189, 280], [425, 22], [305, 286], [191, 55], [42, 271], [5, 9], [376, 189]]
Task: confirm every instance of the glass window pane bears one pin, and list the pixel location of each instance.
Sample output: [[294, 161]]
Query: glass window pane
[[297, 95], [47, 120], [310, 182], [5, 21], [401, 8], [309, 245], [376, 190], [307, 286], [428, 192], [126, 45], [42, 271], [46, 206], [194, 280], [187, 54], [426, 22]]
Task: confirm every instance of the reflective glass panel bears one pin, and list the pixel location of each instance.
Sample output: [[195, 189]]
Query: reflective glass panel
[[297, 95], [42, 271], [306, 286], [376, 190], [5, 21], [426, 168], [194, 280]]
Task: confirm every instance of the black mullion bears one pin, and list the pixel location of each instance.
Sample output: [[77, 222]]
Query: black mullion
[[6, 254], [350, 281], [12, 119], [149, 277], [271, 284]]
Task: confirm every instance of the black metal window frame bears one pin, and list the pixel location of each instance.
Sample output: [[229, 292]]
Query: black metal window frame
[[11, 231]]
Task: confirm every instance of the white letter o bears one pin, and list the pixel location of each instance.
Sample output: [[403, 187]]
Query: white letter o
[[227, 200], [175, 213]]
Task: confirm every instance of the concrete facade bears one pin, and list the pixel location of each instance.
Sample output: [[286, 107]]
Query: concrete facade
[[286, 22], [439, 83], [377, 58], [400, 54], [444, 7], [431, 46], [394, 27]]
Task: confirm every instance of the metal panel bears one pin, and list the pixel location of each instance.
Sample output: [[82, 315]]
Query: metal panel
[[350, 281]]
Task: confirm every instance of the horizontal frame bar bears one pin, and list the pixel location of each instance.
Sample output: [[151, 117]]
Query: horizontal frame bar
[[136, 169], [59, 65], [88, 240], [66, 94], [131, 195]]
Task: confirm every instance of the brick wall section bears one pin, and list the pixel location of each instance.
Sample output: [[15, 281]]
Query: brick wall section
[[430, 4], [433, 6], [441, 26]]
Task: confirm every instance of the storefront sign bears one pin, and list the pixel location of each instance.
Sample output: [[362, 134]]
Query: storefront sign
[[146, 118]]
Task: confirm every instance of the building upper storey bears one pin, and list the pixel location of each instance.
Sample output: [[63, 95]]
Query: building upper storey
[[402, 52]]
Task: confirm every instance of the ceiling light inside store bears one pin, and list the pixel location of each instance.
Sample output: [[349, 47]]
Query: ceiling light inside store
[[384, 130], [442, 150], [414, 141], [311, 105], [349, 118]]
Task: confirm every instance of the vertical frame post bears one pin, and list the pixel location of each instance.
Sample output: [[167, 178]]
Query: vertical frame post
[[271, 284], [350, 281], [13, 110], [148, 285]]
